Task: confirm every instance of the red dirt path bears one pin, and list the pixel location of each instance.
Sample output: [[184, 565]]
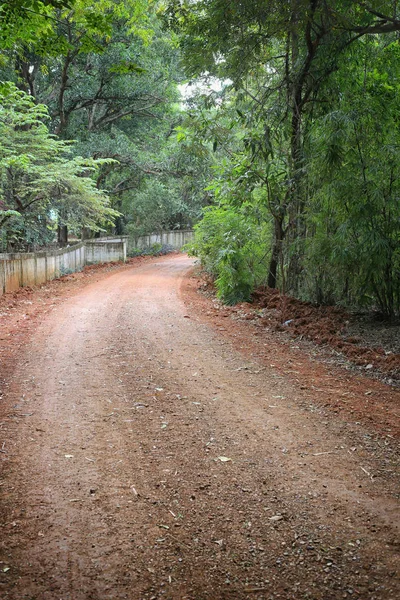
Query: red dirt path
[[125, 393]]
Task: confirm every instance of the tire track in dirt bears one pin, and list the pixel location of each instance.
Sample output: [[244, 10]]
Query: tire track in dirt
[[121, 409]]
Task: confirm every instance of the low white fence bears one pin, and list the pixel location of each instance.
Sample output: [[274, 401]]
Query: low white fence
[[106, 249], [35, 268], [176, 239]]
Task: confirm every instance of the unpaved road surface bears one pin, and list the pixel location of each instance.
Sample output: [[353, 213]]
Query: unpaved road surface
[[145, 457]]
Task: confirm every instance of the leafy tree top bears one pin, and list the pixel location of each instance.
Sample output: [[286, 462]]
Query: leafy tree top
[[45, 25], [37, 174]]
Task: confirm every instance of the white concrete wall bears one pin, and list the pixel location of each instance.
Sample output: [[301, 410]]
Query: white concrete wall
[[106, 250], [10, 273], [176, 238], [35, 268]]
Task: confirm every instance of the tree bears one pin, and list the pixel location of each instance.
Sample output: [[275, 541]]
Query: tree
[[28, 21], [280, 58], [354, 214], [109, 77], [40, 182]]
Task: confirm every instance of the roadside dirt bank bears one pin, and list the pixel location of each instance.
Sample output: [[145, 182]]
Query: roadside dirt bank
[[357, 395], [154, 447]]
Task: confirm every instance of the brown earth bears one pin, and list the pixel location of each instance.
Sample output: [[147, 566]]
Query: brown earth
[[157, 445], [364, 339]]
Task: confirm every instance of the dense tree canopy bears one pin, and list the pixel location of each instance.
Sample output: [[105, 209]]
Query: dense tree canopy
[[314, 85], [39, 180], [109, 77]]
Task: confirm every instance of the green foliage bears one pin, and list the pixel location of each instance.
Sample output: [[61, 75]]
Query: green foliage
[[153, 208], [232, 249], [24, 21], [310, 123], [47, 26], [354, 214], [38, 178], [108, 75]]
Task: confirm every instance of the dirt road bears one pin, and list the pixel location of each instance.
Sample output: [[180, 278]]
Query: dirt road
[[144, 457]]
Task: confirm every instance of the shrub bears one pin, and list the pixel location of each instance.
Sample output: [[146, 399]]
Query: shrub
[[232, 248]]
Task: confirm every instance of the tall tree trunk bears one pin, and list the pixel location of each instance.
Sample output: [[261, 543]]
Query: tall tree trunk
[[119, 221], [86, 233], [301, 87], [62, 235], [296, 227], [119, 225], [276, 251]]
